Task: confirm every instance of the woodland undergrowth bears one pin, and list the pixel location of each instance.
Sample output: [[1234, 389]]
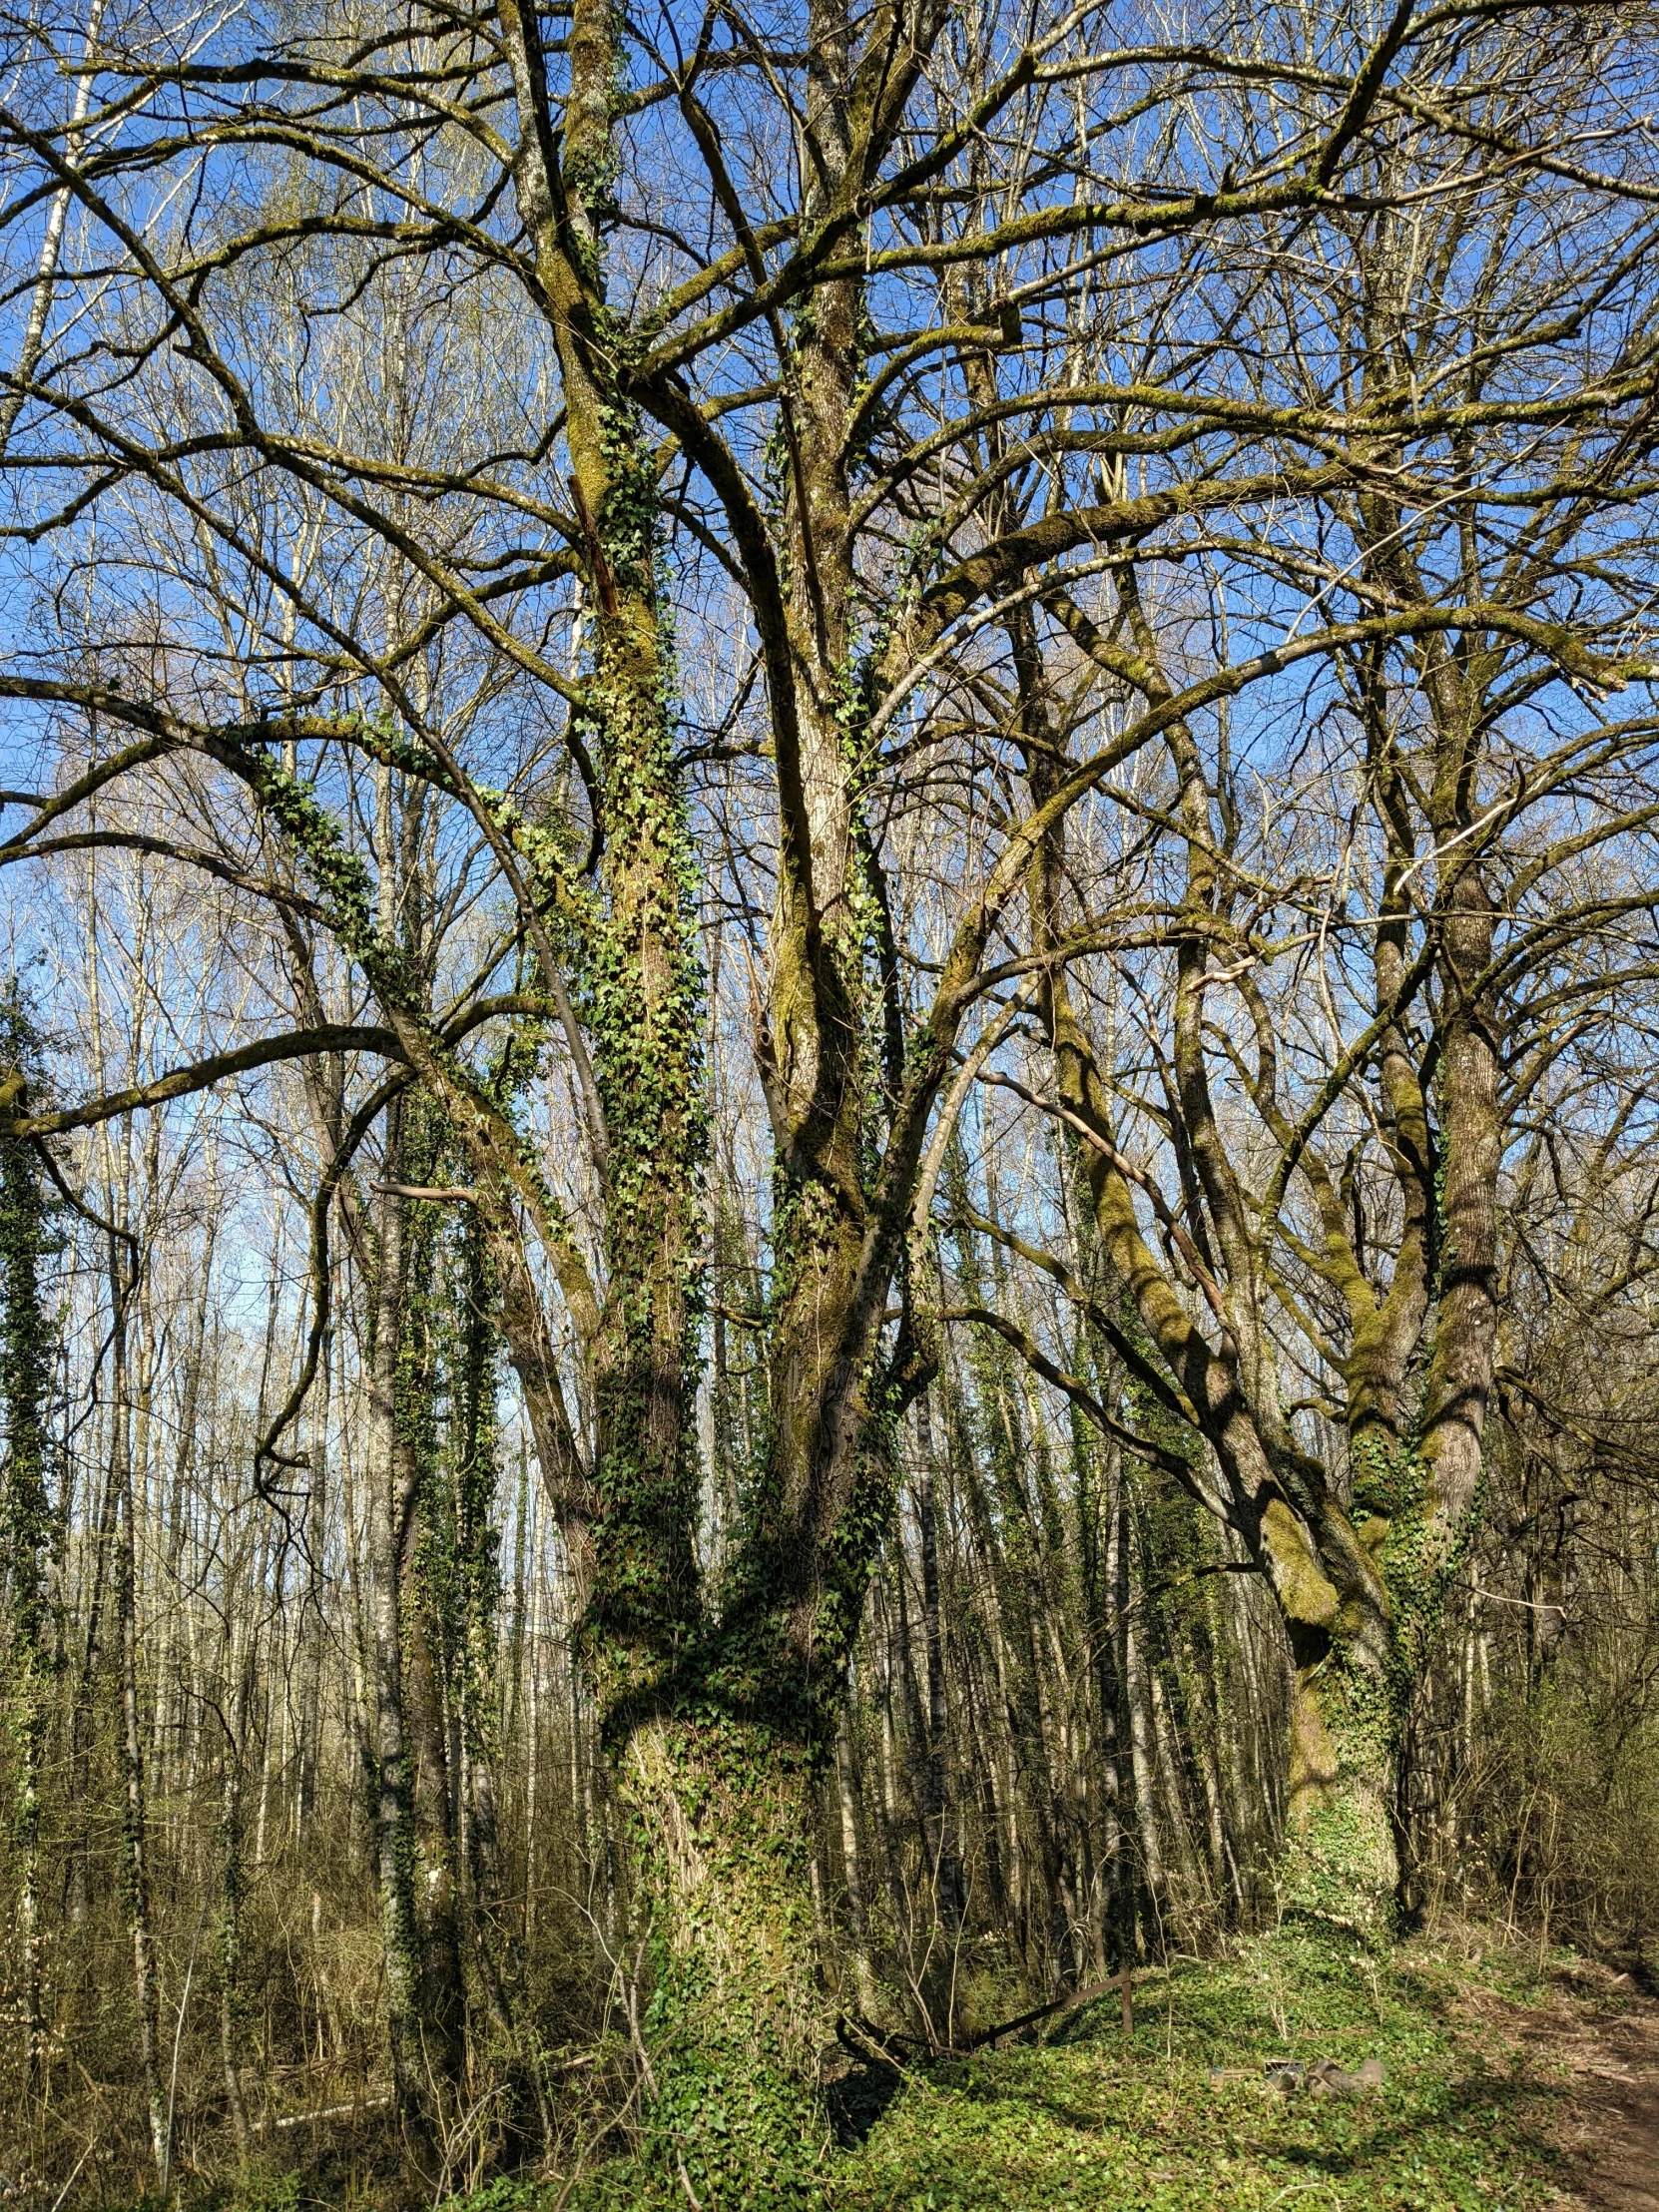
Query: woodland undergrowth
[[1185, 2112]]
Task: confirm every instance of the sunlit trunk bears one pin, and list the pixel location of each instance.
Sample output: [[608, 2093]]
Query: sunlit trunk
[[392, 1795], [738, 2019]]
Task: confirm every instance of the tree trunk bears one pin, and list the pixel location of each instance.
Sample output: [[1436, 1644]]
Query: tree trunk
[[1148, 1826], [135, 1830], [737, 2018], [443, 1989], [863, 1978], [1341, 1862], [25, 1552], [941, 1855], [395, 1848], [231, 1882]]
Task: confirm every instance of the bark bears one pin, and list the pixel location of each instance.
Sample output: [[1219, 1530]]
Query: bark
[[646, 986], [1471, 1144], [392, 1781], [1339, 1803], [738, 2014], [135, 1834]]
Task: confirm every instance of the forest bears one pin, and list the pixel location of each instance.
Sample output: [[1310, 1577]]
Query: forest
[[828, 1168]]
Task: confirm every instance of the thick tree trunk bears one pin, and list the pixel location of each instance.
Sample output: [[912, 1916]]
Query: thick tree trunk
[[1341, 1863], [738, 2020], [1471, 1148], [1326, 1574]]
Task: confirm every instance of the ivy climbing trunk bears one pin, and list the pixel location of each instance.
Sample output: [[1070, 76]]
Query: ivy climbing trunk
[[722, 1704], [640, 1635], [392, 1780], [1342, 1861], [25, 1544], [423, 1564], [642, 981], [722, 1814]]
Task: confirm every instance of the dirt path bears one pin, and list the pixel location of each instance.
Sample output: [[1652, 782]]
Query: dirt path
[[1606, 2036], [1616, 2071]]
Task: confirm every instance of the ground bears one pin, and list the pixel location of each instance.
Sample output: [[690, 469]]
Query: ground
[[1596, 2036], [1514, 2080], [1185, 2115], [1510, 2083]]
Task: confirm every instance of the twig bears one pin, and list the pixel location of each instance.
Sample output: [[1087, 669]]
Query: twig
[[178, 2039], [873, 2045], [429, 1192], [74, 2171], [327, 2112], [1122, 1980]]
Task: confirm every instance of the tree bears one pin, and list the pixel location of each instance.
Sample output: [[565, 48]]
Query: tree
[[985, 335]]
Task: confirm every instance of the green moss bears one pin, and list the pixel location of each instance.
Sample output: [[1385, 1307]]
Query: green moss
[[733, 2023]]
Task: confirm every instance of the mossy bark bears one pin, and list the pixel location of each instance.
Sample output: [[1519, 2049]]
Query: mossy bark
[[737, 2024], [726, 2045], [739, 2018], [644, 984], [646, 993], [720, 1798], [1341, 1863]]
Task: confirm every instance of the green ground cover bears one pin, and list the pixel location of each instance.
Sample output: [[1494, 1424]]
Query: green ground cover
[[1182, 2117], [1085, 2121]]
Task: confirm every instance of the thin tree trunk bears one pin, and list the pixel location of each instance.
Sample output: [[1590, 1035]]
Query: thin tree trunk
[[26, 1544], [395, 1847], [853, 1870], [1138, 1703], [232, 1880], [135, 1837], [941, 1855]]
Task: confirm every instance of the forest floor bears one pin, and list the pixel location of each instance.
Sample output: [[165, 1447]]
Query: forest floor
[[1513, 2080], [1604, 2054], [1510, 2083]]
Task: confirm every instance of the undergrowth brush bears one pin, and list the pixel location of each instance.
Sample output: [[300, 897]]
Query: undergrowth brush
[[1185, 2114]]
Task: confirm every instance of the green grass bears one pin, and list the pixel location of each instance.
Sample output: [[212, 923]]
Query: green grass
[[1462, 2122], [1086, 2121]]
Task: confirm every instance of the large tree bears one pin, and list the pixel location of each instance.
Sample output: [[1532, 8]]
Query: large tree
[[848, 384]]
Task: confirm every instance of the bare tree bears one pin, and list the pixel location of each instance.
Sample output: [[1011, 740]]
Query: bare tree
[[844, 400]]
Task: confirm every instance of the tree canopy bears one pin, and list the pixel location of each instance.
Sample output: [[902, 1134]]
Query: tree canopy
[[813, 805]]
